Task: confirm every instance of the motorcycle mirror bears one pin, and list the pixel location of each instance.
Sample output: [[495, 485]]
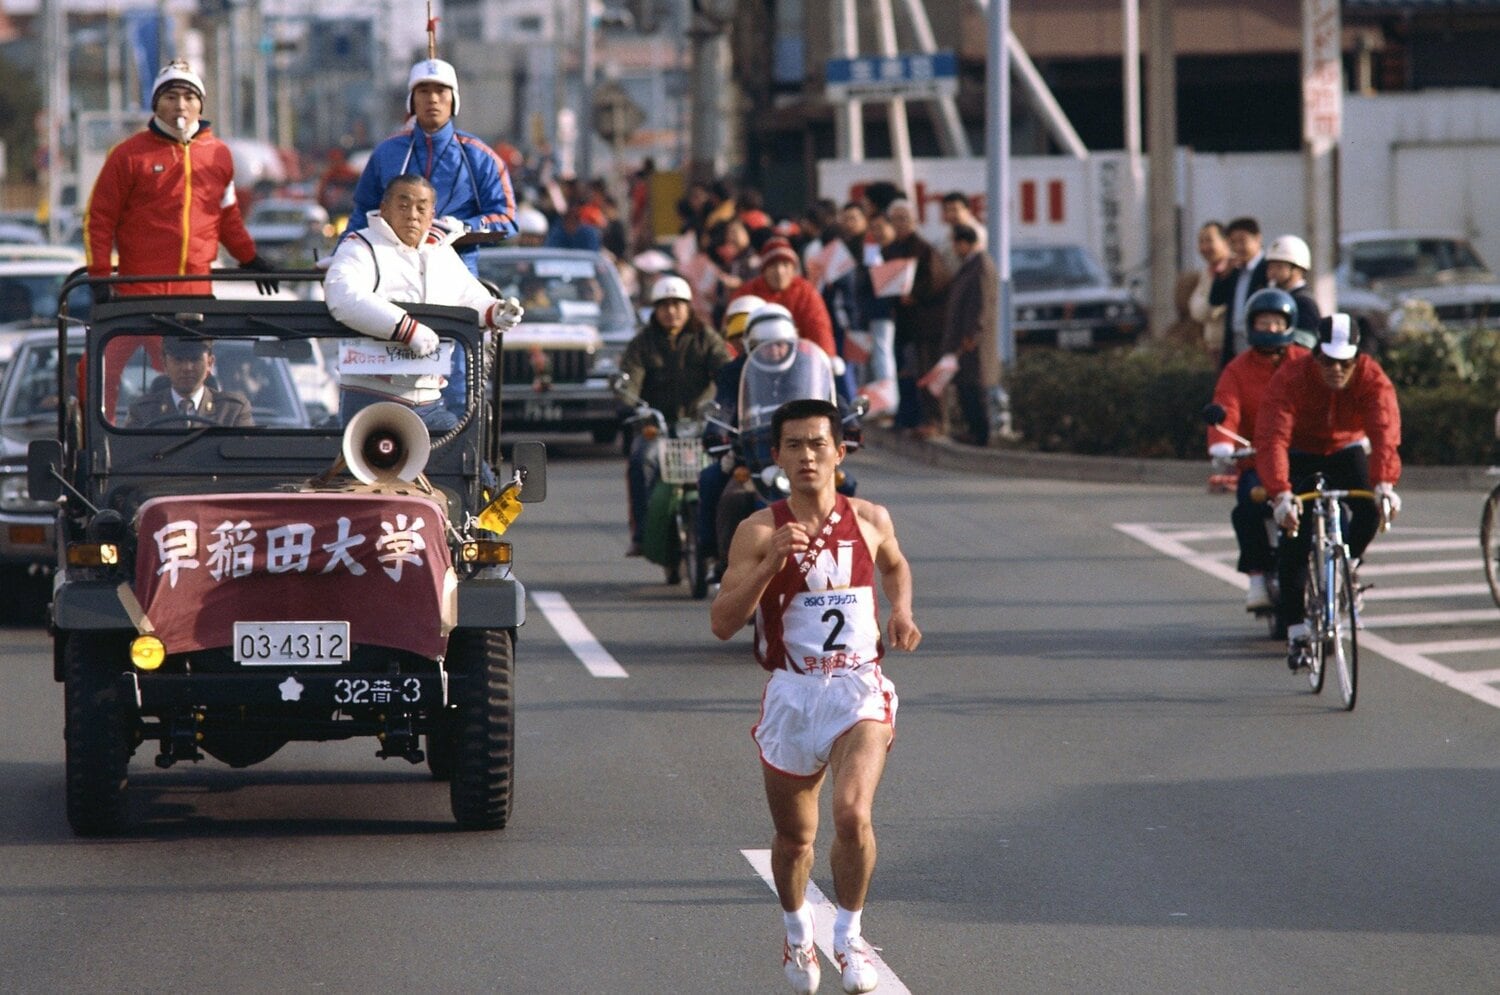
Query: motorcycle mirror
[[1213, 414], [861, 406], [709, 409]]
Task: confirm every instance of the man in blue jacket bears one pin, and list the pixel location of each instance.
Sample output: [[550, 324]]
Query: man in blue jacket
[[473, 186]]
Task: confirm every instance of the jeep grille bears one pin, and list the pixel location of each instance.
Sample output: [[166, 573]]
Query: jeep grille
[[559, 365]]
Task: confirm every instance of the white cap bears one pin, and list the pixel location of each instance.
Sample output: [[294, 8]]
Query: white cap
[[1338, 336], [671, 288], [530, 221], [1290, 249], [432, 71], [176, 71]]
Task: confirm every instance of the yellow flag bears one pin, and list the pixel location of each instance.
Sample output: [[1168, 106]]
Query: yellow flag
[[498, 515]]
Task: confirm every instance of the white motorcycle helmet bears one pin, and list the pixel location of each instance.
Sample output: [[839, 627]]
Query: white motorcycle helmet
[[737, 315], [1290, 249], [768, 325], [671, 288]]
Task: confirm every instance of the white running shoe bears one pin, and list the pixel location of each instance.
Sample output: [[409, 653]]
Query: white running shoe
[[1257, 597], [801, 966], [855, 966]]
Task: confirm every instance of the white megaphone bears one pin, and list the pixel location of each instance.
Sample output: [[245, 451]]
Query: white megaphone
[[385, 443]]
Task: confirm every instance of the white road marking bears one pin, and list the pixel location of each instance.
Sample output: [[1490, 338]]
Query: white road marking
[[1476, 684], [823, 924], [1420, 567], [590, 652], [1410, 619], [1428, 545]]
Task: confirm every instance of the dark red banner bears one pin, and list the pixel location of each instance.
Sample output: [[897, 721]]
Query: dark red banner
[[378, 561]]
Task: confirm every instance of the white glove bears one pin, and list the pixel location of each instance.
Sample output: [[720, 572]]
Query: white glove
[[421, 340], [505, 314], [837, 362], [445, 229], [1221, 450], [1386, 494], [1287, 511]]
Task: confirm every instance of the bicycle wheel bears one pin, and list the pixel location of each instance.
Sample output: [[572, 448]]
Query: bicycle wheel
[[1489, 542], [1312, 614], [1343, 643]]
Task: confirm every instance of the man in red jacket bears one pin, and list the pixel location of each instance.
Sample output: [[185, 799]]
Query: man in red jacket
[[1333, 412], [1271, 314], [780, 282], [165, 198]]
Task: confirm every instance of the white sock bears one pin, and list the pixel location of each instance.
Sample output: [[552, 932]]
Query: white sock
[[799, 926], [845, 926]]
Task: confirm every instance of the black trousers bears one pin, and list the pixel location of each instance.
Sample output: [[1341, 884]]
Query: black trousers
[[1347, 469]]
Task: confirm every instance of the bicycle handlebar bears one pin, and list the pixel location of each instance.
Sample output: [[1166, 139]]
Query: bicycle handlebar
[[1358, 492]]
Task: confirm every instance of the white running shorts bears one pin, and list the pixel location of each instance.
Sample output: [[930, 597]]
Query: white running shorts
[[802, 714]]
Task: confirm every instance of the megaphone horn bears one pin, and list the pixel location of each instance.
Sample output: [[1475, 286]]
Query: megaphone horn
[[385, 443]]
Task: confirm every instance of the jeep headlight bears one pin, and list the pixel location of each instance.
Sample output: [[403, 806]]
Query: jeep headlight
[[606, 364], [15, 497]]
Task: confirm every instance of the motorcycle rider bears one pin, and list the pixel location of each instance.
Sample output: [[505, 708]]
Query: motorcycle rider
[[1332, 412], [670, 366], [1241, 387]]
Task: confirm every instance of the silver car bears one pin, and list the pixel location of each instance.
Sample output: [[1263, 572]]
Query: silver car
[[1379, 271], [1063, 297]]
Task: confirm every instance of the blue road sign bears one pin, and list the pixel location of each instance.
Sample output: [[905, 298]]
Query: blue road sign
[[919, 75]]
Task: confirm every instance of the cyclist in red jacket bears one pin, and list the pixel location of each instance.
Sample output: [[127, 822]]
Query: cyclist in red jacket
[[1270, 314], [1333, 412]]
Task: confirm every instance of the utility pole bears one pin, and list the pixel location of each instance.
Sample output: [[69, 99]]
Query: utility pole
[[1162, 117], [55, 58], [710, 68], [997, 155], [586, 96], [1322, 124]]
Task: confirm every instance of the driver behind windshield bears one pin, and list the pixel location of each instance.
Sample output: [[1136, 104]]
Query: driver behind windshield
[[186, 398]]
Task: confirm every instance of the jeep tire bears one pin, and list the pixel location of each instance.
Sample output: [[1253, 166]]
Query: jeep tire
[[482, 661], [100, 733]]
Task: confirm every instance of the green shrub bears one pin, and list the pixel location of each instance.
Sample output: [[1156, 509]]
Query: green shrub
[[1148, 402]]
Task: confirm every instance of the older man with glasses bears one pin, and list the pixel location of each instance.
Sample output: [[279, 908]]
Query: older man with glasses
[[1333, 412]]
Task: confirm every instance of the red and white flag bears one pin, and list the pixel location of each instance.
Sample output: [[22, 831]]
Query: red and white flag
[[894, 278], [831, 262]]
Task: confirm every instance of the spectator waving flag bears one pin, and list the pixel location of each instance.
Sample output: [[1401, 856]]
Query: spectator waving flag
[[894, 278], [831, 262]]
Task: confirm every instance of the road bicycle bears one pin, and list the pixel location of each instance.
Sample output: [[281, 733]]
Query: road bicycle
[[1489, 538], [1330, 596]]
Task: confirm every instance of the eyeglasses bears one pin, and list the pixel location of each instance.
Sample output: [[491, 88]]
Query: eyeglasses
[[1328, 360]]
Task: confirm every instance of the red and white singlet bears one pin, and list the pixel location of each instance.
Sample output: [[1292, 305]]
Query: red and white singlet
[[820, 614]]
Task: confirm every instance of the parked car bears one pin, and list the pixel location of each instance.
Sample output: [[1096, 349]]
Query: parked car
[[1063, 297], [289, 232], [557, 362], [28, 410], [29, 285], [1379, 271]]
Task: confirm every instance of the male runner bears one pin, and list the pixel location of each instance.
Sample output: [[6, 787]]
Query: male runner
[[805, 569]]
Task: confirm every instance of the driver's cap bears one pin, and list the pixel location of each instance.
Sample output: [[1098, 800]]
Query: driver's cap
[[1338, 336]]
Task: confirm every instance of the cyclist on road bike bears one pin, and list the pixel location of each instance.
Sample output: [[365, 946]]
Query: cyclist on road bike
[[1333, 412], [1271, 314]]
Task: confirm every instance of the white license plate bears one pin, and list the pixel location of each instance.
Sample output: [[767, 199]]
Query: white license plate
[[543, 411], [283, 643], [1075, 338]]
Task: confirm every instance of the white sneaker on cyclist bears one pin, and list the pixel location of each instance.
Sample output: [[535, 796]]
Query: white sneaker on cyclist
[[857, 971], [801, 966], [1298, 647], [1257, 597]]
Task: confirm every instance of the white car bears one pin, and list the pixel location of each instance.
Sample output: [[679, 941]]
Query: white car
[[289, 232], [29, 286], [1379, 271]]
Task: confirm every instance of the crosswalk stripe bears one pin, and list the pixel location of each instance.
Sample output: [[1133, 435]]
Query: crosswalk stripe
[[1419, 591], [1456, 646], [1412, 619], [1470, 565]]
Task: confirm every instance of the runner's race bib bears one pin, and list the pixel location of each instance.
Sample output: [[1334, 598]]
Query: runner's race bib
[[827, 631]]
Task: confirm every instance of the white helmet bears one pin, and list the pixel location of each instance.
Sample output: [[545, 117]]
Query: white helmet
[[1290, 249], [671, 288], [771, 323], [431, 71], [176, 71], [530, 221], [737, 314]]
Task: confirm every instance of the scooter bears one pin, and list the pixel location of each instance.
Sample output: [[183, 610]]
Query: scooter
[[670, 534], [776, 372]]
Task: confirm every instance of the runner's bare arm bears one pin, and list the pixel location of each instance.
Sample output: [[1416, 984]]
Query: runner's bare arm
[[895, 577], [756, 554]]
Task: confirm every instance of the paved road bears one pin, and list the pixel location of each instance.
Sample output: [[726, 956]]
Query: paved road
[[1104, 780]]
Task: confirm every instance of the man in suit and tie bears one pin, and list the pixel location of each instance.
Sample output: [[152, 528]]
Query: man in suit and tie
[[1234, 287], [189, 362]]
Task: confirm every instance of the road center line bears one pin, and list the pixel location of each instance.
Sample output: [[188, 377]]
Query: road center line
[[823, 924], [590, 652]]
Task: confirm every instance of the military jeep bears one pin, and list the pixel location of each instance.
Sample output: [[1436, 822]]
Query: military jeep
[[253, 570]]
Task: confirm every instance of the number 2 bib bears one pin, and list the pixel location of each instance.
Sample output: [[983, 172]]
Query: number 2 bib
[[825, 631]]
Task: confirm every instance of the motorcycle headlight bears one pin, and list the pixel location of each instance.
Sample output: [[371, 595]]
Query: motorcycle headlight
[[15, 497]]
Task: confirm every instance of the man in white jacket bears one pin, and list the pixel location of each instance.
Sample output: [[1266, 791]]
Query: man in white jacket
[[401, 259]]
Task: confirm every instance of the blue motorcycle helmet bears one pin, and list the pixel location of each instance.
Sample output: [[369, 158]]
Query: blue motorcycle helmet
[[1270, 301]]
